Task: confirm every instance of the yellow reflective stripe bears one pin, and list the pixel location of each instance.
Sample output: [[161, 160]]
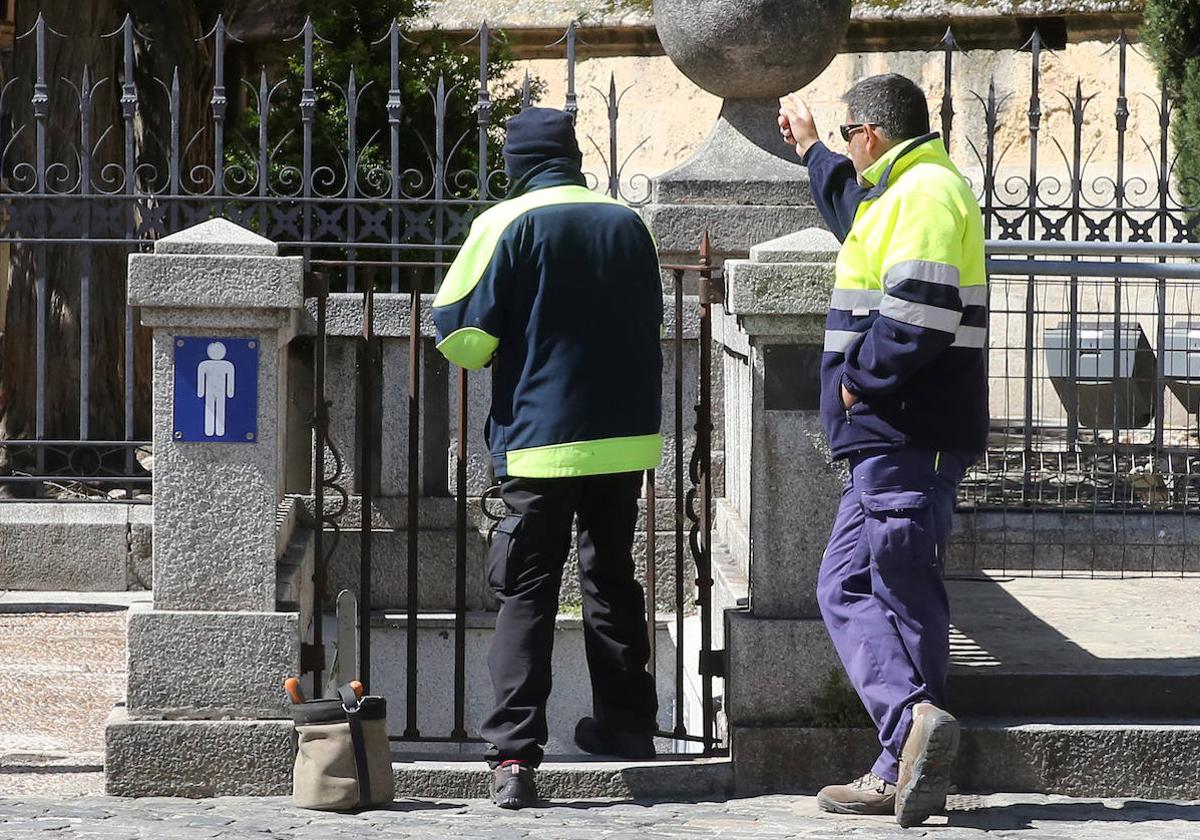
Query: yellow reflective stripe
[[589, 457], [479, 249], [469, 348]]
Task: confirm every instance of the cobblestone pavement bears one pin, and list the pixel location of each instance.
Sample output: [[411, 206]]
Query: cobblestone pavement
[[70, 668], [759, 818], [61, 670]]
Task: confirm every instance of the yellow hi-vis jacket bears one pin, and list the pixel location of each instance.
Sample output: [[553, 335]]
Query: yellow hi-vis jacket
[[907, 325]]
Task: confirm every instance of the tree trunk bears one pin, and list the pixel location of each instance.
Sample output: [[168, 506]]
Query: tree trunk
[[168, 36]]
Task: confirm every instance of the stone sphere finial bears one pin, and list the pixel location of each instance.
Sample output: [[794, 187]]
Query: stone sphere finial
[[751, 49]]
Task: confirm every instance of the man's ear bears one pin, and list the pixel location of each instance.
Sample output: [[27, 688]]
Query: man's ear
[[878, 143]]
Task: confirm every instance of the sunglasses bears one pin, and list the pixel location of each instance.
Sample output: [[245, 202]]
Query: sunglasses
[[849, 129]]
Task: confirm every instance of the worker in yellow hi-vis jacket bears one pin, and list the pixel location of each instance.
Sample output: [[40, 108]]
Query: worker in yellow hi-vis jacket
[[904, 400]]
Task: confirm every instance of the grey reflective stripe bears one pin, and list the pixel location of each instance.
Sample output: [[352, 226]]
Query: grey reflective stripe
[[972, 337], [920, 314], [974, 295], [839, 341], [856, 299], [943, 274]]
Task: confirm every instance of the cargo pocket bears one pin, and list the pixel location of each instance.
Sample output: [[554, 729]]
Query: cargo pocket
[[499, 565], [900, 528]]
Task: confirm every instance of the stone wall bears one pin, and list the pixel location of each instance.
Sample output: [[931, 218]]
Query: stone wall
[[670, 116], [626, 27]]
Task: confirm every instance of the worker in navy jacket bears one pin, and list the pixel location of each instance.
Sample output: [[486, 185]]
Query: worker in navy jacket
[[558, 288]]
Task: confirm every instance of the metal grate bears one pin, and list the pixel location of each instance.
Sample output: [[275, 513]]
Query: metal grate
[[1094, 372]]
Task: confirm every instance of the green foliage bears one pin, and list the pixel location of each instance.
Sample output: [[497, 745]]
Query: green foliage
[[618, 6], [356, 35], [1171, 33]]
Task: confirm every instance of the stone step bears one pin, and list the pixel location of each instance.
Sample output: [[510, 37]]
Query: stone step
[[730, 534], [563, 777], [731, 588], [436, 569], [1152, 760], [1029, 646], [72, 546], [1146, 696], [437, 553], [87, 601], [570, 699]]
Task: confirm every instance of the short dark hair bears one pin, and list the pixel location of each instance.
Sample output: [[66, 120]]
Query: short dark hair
[[892, 102]]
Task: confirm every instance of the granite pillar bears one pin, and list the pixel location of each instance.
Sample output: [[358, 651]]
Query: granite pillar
[[208, 660], [784, 491]]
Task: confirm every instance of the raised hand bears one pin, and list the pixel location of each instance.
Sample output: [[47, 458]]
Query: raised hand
[[796, 124]]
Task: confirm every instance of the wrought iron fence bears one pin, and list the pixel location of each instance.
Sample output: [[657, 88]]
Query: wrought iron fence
[[374, 215], [1094, 372], [1058, 191], [1093, 444], [393, 225], [690, 486]]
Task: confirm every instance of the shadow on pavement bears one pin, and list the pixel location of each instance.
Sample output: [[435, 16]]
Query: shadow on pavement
[[1025, 815], [406, 806]]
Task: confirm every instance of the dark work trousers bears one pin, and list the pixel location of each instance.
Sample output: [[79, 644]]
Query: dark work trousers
[[525, 569], [881, 590]]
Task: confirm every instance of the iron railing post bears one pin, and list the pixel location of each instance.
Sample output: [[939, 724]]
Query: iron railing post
[[703, 524], [680, 518], [366, 477]]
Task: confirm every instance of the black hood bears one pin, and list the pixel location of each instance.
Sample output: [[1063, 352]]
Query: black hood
[[536, 136]]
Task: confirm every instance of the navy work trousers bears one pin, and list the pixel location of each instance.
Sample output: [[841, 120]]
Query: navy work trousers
[[525, 569], [881, 590]]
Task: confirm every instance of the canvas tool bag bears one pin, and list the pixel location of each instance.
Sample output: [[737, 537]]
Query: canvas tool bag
[[343, 759]]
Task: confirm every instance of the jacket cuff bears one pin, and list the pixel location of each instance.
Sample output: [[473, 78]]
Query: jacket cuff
[[849, 385], [807, 157], [470, 347]]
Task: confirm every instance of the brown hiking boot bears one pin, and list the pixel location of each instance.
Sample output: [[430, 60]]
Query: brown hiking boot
[[868, 796], [925, 765]]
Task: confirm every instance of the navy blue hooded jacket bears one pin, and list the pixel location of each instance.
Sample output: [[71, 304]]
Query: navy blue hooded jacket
[[558, 287]]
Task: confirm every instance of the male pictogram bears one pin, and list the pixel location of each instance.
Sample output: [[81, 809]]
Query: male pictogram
[[215, 384]]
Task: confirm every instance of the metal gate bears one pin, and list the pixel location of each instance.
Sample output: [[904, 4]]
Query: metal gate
[[685, 543]]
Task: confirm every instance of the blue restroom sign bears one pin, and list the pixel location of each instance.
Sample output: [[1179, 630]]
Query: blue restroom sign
[[216, 390]]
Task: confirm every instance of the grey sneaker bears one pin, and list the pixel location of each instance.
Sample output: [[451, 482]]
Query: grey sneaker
[[513, 786], [864, 797], [926, 764]]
